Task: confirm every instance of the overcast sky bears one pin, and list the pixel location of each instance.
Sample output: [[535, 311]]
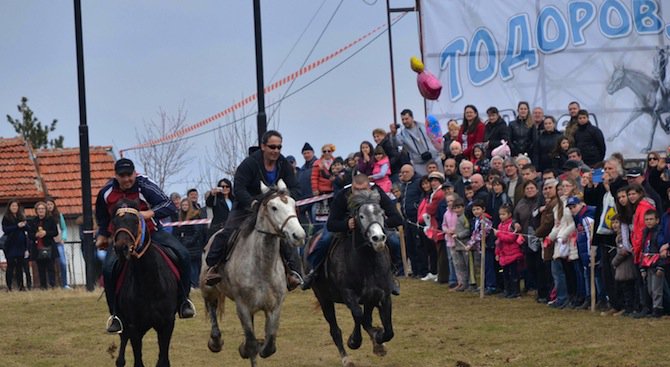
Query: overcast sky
[[142, 56]]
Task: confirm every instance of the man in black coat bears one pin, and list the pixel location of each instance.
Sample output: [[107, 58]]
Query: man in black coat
[[266, 165], [410, 197], [495, 131], [589, 139], [305, 182]]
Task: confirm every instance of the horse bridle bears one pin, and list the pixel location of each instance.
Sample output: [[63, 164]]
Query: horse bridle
[[278, 231], [367, 229], [141, 232]]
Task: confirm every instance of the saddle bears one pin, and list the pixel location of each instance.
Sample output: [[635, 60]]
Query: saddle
[[168, 256]]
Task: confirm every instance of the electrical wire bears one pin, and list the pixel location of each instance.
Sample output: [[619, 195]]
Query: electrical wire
[[309, 54], [221, 126]]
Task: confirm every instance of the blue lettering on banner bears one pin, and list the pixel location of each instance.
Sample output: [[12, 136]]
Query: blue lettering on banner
[[582, 13], [482, 41], [449, 58], [553, 32], [549, 15], [519, 49], [607, 10], [645, 17]]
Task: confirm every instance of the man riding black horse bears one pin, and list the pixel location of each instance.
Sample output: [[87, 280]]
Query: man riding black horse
[[154, 205], [340, 220], [266, 165]]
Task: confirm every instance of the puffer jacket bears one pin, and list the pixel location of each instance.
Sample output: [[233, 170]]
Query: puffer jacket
[[563, 227], [637, 233], [584, 223], [590, 141], [321, 178], [544, 146], [508, 248], [521, 138]]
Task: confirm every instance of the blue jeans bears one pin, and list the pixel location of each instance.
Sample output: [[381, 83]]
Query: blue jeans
[[62, 260], [560, 281], [196, 263], [320, 251], [453, 280], [393, 242]]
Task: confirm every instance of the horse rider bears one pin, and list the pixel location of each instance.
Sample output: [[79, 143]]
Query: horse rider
[[340, 220], [154, 205], [266, 165]]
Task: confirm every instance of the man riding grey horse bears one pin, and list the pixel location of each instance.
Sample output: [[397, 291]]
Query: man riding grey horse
[[340, 220], [154, 205], [266, 165]]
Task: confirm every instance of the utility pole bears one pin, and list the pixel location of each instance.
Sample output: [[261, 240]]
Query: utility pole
[[261, 119], [84, 157]]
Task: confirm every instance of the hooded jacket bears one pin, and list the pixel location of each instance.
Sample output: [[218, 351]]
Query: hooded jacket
[[590, 141], [508, 248]]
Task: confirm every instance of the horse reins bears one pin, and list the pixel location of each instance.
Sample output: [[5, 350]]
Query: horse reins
[[141, 232], [279, 231]]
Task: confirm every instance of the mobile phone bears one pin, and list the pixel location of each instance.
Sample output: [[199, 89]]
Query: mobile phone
[[598, 175]]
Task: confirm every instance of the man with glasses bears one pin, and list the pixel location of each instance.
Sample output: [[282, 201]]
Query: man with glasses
[[154, 205], [266, 165]]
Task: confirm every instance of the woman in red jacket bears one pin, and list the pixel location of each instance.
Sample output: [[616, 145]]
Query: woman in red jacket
[[321, 183], [638, 200], [472, 130]]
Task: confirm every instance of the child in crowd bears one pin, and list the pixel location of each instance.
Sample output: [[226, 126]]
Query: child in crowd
[[508, 251], [480, 160], [482, 225], [456, 150], [583, 215], [381, 170], [339, 175], [560, 153], [456, 231], [624, 269], [652, 266]]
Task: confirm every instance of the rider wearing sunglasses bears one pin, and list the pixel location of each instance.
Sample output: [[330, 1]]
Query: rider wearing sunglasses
[[266, 165]]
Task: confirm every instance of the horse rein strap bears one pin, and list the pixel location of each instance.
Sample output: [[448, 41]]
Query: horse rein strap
[[141, 232], [279, 232]]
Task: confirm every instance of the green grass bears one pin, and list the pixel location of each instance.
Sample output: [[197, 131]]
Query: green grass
[[433, 327]]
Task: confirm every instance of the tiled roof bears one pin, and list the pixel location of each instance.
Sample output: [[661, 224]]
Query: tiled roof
[[59, 169], [18, 176]]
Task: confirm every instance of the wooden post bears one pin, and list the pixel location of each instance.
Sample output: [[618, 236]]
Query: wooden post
[[482, 273], [403, 251]]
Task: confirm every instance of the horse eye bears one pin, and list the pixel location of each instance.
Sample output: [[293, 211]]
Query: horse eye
[[274, 208], [361, 216]]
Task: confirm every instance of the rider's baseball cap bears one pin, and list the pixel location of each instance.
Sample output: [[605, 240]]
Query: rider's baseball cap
[[124, 166]]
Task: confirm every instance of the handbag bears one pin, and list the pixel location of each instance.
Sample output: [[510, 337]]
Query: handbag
[[44, 253], [648, 260]]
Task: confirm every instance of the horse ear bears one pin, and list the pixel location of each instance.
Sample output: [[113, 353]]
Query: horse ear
[[281, 185], [264, 188]]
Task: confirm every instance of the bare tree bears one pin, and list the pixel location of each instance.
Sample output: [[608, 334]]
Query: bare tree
[[232, 144], [164, 160]]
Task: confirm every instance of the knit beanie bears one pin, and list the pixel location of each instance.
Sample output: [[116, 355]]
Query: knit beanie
[[306, 147]]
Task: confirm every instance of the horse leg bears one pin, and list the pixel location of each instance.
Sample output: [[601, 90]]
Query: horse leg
[[249, 347], [328, 309], [657, 119], [121, 359], [271, 326], [374, 332], [385, 313], [164, 337], [136, 342], [215, 342], [355, 339], [636, 113]]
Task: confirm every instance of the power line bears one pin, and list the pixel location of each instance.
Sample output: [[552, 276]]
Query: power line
[[354, 53]]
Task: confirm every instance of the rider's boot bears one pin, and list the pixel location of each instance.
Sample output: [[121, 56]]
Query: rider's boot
[[114, 325], [215, 257], [311, 277], [292, 263], [187, 309]]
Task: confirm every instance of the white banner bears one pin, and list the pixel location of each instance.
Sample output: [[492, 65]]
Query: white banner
[[606, 54]]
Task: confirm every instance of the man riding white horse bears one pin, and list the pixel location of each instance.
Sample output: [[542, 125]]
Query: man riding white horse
[[266, 165], [154, 205]]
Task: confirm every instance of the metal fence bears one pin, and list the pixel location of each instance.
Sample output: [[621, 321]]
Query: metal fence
[[76, 266]]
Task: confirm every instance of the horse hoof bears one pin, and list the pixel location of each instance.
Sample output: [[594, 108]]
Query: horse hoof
[[347, 362], [247, 351], [267, 351], [379, 350], [215, 345], [354, 343]]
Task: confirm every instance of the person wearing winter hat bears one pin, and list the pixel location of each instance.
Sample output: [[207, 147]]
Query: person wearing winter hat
[[304, 176]]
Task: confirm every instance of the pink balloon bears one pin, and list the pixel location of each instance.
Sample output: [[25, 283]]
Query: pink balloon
[[429, 86]]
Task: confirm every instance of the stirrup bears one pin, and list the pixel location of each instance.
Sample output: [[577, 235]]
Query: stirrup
[[190, 303], [294, 275], [212, 277], [110, 321]]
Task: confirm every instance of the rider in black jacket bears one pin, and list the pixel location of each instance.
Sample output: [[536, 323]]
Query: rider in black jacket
[[266, 165]]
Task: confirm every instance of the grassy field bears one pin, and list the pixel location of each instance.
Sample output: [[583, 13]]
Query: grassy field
[[433, 327]]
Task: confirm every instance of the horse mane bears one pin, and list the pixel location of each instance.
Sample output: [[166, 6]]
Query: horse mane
[[249, 224], [358, 198], [125, 203]]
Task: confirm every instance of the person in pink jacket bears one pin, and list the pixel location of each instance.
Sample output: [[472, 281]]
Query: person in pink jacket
[[381, 171], [508, 251]]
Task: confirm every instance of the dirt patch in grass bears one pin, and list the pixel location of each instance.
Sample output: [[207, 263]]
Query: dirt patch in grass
[[433, 327]]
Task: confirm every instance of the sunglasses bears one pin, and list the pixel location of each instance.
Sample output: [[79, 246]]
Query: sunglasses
[[326, 151], [652, 159], [274, 147]]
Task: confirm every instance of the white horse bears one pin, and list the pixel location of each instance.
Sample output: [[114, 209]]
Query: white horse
[[254, 276]]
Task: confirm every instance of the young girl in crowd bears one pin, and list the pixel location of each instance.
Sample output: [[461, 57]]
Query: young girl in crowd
[[381, 170], [624, 269], [508, 251], [366, 162], [560, 153], [480, 160], [457, 234]]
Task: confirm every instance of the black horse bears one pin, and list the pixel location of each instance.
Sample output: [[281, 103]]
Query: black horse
[[147, 288], [358, 272]]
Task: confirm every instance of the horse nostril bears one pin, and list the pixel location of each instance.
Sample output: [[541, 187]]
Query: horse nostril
[[383, 239], [375, 238], [295, 236]]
